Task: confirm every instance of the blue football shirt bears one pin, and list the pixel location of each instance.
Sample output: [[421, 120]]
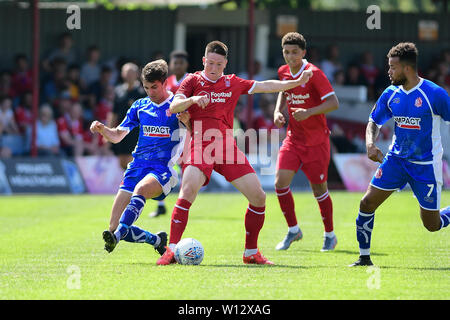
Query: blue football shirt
[[417, 114], [160, 139]]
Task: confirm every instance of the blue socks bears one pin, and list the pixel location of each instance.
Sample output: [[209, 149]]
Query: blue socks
[[126, 231], [445, 217], [364, 227], [136, 234]]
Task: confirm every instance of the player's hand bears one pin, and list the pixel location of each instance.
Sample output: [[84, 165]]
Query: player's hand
[[97, 126], [201, 101], [279, 119], [184, 117], [374, 154], [300, 114], [305, 76]]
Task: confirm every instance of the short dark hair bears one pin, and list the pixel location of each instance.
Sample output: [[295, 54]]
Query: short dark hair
[[406, 52], [217, 47], [155, 71], [179, 54], [294, 38]]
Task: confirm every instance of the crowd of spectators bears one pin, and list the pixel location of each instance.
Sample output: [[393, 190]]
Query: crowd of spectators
[[77, 89]]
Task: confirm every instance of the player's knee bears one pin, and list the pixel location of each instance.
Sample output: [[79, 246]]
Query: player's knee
[[432, 227], [259, 199], [367, 205]]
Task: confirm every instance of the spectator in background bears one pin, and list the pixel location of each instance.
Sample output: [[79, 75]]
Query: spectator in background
[[105, 105], [331, 64], [57, 83], [70, 131], [64, 51], [178, 66], [354, 76], [339, 141], [382, 81], [339, 77], [370, 73], [313, 56], [99, 86], [90, 70], [6, 89], [10, 135], [74, 82], [21, 77], [24, 118], [47, 140], [23, 112], [125, 94]]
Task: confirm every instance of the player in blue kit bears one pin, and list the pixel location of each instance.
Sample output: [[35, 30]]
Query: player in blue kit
[[150, 175], [415, 156]]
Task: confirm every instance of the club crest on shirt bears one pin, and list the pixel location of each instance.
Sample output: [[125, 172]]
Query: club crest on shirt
[[418, 102], [378, 173], [168, 113]]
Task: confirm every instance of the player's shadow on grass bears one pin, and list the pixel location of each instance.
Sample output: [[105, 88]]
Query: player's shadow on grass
[[352, 252], [416, 269]]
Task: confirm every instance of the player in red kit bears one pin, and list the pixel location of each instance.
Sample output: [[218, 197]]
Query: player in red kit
[[307, 144], [210, 98]]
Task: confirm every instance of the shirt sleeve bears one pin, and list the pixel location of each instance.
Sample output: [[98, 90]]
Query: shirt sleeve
[[442, 104], [186, 88], [321, 84], [381, 111], [131, 119], [245, 86]]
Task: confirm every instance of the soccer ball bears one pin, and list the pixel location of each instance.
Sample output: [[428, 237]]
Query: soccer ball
[[189, 251]]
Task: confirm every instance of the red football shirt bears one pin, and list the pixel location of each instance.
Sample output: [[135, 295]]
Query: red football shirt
[[314, 130], [223, 96], [172, 84]]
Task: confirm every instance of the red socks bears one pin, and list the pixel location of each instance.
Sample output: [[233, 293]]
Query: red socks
[[326, 211], [254, 221], [286, 201], [179, 220], [287, 206]]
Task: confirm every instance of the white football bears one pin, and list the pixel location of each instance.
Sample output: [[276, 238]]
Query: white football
[[189, 251]]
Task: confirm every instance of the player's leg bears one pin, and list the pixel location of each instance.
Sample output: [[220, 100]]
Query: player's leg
[[120, 203], [371, 200], [320, 191], [283, 179], [149, 187], [389, 177], [288, 162], [193, 179], [160, 209], [251, 188], [429, 194], [316, 162]]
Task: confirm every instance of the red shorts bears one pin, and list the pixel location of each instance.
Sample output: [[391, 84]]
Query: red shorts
[[224, 158], [312, 160]]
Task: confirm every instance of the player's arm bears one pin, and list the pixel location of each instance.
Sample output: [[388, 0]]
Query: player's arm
[[184, 117], [181, 103], [269, 86], [114, 135], [278, 117], [330, 103], [372, 132]]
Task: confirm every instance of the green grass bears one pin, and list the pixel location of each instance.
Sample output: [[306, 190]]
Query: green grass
[[44, 238]]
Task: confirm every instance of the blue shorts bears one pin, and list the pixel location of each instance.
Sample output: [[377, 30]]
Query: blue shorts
[[166, 176], [425, 179]]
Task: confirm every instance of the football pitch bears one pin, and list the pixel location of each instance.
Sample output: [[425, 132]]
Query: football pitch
[[51, 248]]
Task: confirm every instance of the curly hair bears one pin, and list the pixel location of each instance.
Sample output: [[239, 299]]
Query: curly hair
[[406, 52], [294, 38]]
